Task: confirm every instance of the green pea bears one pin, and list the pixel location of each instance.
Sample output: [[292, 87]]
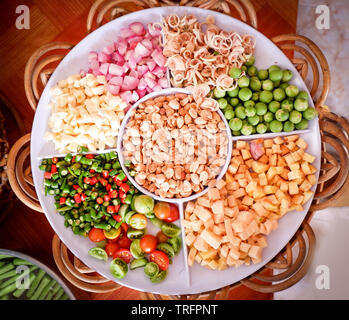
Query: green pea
[[254, 130], [279, 94], [291, 91], [240, 112], [286, 75], [302, 125], [303, 95], [295, 117], [273, 67], [234, 102], [274, 106], [229, 114], [254, 120], [235, 124], [243, 82], [267, 85], [252, 71], [246, 129], [249, 103], [255, 84], [287, 104], [233, 93], [218, 93], [236, 133], [265, 96], [255, 96], [284, 85], [250, 61], [261, 108], [244, 68], [301, 104], [263, 74], [250, 111], [261, 128], [288, 126], [309, 114], [235, 73], [223, 103], [275, 75], [245, 94], [275, 126], [282, 115]]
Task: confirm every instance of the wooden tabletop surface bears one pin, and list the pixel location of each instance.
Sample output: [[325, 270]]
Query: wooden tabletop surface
[[65, 20]]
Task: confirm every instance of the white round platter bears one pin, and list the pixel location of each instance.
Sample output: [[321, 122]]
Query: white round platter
[[181, 279]]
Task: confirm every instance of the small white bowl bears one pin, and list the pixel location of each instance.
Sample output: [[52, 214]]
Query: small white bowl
[[166, 92]]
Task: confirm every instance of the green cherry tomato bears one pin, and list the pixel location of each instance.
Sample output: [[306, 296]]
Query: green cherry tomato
[[98, 253], [118, 268]]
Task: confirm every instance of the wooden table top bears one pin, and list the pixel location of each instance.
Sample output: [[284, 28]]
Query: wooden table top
[[65, 20]]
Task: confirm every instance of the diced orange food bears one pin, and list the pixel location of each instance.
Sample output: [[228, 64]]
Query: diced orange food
[[228, 226]]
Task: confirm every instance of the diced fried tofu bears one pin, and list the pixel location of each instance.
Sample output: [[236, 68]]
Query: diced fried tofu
[[307, 196], [202, 213], [294, 137], [244, 247], [273, 159], [305, 186], [197, 225], [245, 154], [311, 178], [270, 189], [213, 194], [262, 179], [239, 193], [289, 159], [232, 201], [218, 230], [191, 256], [251, 187], [276, 149], [200, 244], [241, 144], [208, 225], [212, 239], [228, 177], [268, 143], [294, 166], [234, 253], [224, 250], [295, 174], [247, 200], [238, 226], [293, 188], [209, 254], [231, 212], [259, 167], [301, 143], [204, 202], [190, 207], [220, 184], [242, 182], [213, 264], [278, 140], [190, 238]]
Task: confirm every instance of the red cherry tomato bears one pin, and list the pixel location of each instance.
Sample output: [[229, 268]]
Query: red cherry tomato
[[148, 243], [124, 242], [160, 258], [96, 235], [162, 210], [124, 254], [174, 213], [111, 248]]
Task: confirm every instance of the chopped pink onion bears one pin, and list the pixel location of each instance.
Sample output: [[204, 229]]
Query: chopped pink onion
[[104, 68], [137, 28], [151, 65], [150, 75], [142, 84], [142, 69], [150, 82], [117, 81], [122, 47], [109, 49], [135, 96], [93, 55], [126, 96], [163, 82], [126, 33], [157, 88], [103, 57], [141, 93], [113, 89], [141, 51], [158, 58], [129, 83], [159, 71], [116, 70], [147, 43], [94, 64]]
